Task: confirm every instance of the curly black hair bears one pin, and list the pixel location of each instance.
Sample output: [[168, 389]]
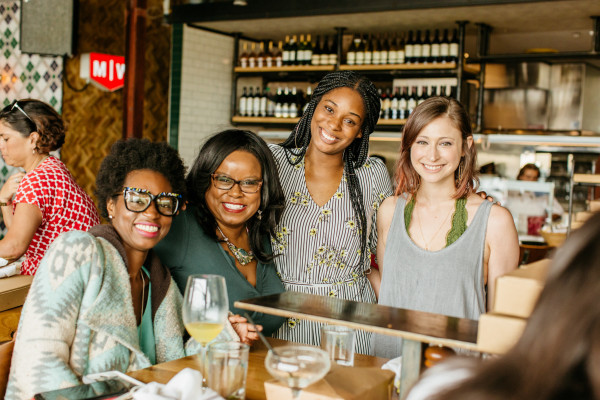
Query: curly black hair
[[272, 199], [355, 155], [29, 115], [135, 154]]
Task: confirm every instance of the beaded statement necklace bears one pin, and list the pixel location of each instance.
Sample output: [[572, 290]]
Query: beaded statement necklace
[[242, 256]]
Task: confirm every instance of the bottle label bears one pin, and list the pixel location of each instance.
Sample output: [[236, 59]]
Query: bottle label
[[384, 57], [435, 50], [360, 58], [256, 106], [417, 51], [260, 62], [426, 51], [292, 57], [315, 59], [402, 104], [444, 49], [263, 106], [454, 50], [279, 61], [285, 110], [368, 58], [278, 113], [244, 62], [286, 56], [392, 57], [242, 110], [269, 61], [412, 103], [408, 51], [332, 59], [252, 62], [351, 58], [394, 104], [401, 57], [376, 57]]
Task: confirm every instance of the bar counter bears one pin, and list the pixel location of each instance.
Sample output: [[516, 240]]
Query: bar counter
[[257, 373]]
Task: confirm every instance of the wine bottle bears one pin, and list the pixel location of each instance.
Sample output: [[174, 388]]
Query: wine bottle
[[293, 104], [351, 54], [270, 103], [249, 102], [262, 107], [403, 104], [454, 47], [435, 47], [408, 49], [285, 104], [332, 56], [244, 56], [294, 50], [393, 51], [401, 51], [368, 51], [242, 108], [286, 51], [308, 50], [385, 50], [278, 57], [256, 103], [426, 49], [315, 58], [375, 51], [418, 49], [252, 57], [307, 98], [278, 103], [360, 52], [445, 48], [260, 56], [269, 55], [326, 51], [386, 103], [412, 101], [380, 94], [421, 94], [394, 104]]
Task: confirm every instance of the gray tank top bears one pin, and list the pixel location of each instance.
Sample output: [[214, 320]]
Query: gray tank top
[[449, 281]]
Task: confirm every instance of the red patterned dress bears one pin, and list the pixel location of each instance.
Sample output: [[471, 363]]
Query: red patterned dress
[[63, 203]]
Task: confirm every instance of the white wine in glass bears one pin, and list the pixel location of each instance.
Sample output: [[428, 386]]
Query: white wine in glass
[[205, 309]]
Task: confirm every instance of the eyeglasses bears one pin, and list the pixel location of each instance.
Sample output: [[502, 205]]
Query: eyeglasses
[[224, 182], [16, 105], [138, 200]]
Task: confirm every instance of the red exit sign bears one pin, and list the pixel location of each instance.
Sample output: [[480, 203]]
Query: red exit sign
[[104, 70]]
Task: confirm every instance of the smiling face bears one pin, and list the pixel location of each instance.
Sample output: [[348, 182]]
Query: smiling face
[[437, 150], [337, 120], [16, 149], [232, 208], [140, 231]]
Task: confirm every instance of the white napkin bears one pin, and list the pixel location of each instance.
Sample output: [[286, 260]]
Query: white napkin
[[186, 385], [9, 270], [395, 365]]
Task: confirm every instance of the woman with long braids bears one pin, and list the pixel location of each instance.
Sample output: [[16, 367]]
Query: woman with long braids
[[332, 190], [440, 243]]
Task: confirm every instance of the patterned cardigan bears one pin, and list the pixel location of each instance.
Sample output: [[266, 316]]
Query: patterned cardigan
[[78, 317]]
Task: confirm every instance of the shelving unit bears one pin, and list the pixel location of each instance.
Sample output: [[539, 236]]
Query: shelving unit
[[377, 72]]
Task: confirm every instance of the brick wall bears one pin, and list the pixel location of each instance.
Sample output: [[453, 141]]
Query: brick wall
[[205, 89]]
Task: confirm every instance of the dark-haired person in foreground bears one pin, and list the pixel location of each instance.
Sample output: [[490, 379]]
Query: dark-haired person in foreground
[[558, 356], [235, 202], [332, 192], [45, 201], [102, 300]]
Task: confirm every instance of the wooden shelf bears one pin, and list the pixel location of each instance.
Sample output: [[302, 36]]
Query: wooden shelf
[[274, 120], [287, 68], [586, 178], [386, 67]]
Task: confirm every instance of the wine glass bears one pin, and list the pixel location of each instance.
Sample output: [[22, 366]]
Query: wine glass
[[297, 366], [205, 309]]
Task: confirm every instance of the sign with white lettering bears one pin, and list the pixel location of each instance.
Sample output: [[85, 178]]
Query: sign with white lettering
[[104, 70]]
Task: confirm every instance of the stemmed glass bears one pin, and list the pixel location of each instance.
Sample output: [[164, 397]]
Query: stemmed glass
[[297, 366], [205, 309]]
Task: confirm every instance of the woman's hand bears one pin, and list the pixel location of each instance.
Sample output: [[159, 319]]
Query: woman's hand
[[485, 196], [245, 331], [10, 187]]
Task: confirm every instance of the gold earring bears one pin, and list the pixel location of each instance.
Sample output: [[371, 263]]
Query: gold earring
[[461, 171]]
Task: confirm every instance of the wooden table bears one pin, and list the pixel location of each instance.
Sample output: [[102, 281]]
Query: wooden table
[[257, 373], [414, 327]]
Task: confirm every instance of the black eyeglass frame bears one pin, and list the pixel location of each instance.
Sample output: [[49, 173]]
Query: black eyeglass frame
[[234, 182], [153, 199]]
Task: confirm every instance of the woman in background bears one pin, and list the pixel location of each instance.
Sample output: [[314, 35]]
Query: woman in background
[[332, 191], [558, 356], [440, 243], [47, 201], [235, 204]]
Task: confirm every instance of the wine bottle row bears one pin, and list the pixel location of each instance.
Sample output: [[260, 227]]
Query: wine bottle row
[[285, 103], [401, 103], [290, 52], [410, 48]]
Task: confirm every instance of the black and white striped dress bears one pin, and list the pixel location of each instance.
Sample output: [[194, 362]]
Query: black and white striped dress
[[318, 248]]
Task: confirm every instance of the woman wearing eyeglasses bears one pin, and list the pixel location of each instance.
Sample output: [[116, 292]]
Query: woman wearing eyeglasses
[[235, 202], [44, 201], [102, 300]]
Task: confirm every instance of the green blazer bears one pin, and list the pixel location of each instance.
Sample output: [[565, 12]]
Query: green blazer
[[187, 250]]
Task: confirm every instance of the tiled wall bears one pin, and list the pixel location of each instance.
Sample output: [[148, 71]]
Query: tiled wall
[[205, 89]]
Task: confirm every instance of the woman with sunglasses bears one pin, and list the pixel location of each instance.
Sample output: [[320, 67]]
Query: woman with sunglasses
[[235, 203], [44, 201], [101, 299]]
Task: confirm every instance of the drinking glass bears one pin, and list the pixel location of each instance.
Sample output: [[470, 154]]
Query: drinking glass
[[205, 309], [338, 342], [297, 366]]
